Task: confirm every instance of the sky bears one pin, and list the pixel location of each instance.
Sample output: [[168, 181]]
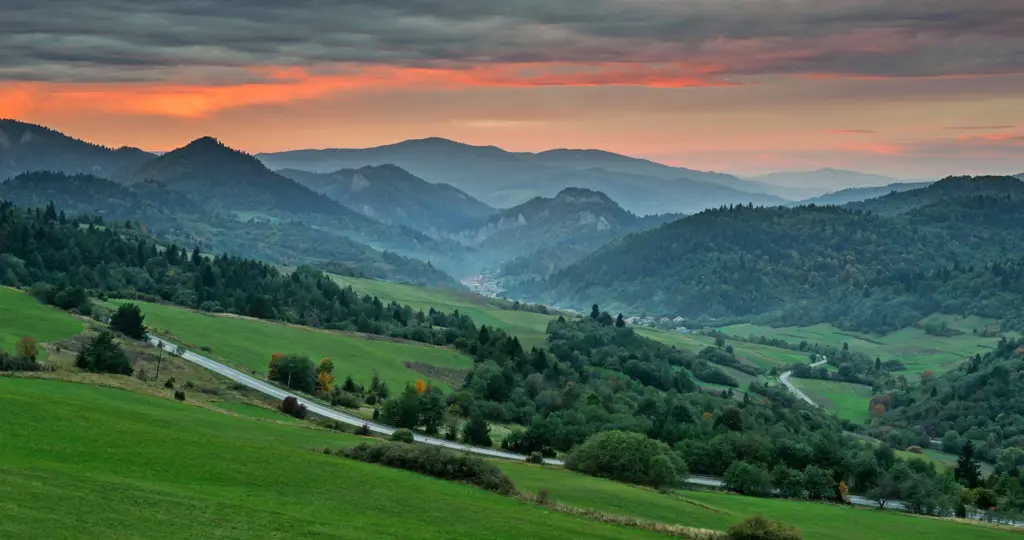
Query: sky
[[910, 88]]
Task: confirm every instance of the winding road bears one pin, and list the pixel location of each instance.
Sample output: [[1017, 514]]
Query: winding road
[[326, 412], [784, 379]]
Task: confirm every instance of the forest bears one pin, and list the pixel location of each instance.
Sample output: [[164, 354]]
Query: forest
[[798, 266]]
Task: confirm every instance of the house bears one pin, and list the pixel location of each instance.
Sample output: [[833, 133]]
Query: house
[[683, 330], [678, 320]]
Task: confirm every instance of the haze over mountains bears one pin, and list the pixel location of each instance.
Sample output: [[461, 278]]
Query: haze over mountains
[[503, 179], [808, 184]]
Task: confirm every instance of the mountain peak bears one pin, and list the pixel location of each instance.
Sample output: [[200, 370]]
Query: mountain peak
[[578, 195], [205, 142]]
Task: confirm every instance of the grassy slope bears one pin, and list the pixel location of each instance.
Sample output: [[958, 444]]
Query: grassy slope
[[846, 400], [159, 469], [720, 510], [762, 356], [250, 343], [912, 346], [529, 327], [21, 315]]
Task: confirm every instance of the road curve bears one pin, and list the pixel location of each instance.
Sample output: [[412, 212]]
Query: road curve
[[784, 379], [320, 410]]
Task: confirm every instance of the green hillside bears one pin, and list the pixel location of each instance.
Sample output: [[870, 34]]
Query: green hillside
[[163, 470], [529, 327], [21, 315], [250, 343]]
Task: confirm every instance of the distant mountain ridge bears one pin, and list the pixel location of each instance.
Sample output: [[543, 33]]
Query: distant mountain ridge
[[394, 196], [826, 180], [852, 195], [28, 147], [950, 188], [504, 179]]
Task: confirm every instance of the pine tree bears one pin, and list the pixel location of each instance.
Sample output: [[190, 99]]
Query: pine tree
[[968, 471]]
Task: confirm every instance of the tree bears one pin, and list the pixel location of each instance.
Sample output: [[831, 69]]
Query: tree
[[968, 471], [295, 372], [605, 319], [420, 386], [273, 361], [748, 479], [595, 311], [628, 457], [819, 483], [128, 319], [324, 382], [403, 411], [885, 490], [477, 431], [788, 482], [620, 322], [103, 354], [731, 418], [27, 347]]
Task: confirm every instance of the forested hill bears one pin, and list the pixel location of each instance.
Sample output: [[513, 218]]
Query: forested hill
[[551, 233], [177, 218], [807, 265], [981, 401], [392, 195], [27, 147], [943, 190]]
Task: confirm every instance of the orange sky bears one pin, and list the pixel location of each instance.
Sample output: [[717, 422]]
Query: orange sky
[[749, 88]]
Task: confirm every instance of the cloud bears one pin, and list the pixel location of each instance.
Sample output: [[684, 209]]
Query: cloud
[[853, 131], [219, 42], [978, 128]]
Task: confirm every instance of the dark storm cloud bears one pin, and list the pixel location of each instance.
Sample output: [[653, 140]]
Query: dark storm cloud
[[219, 41]]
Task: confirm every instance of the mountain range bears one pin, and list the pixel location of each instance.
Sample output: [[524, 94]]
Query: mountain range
[[28, 147], [503, 179]]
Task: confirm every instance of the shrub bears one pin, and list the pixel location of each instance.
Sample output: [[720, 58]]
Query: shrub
[[341, 398], [291, 406], [376, 414], [169, 383], [364, 430], [403, 436], [915, 449], [436, 462], [102, 354], [759, 528], [628, 457], [536, 458], [15, 363], [179, 395], [371, 399]]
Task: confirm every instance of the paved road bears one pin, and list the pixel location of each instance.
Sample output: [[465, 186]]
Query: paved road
[[319, 410], [784, 379]]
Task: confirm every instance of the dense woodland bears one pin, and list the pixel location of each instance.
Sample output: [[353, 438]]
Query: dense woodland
[[806, 265]]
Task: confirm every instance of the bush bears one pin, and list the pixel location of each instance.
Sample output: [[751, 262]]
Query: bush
[[14, 363], [759, 528], [628, 457], [536, 458], [291, 406], [341, 398], [169, 383], [436, 462], [364, 430], [102, 354], [179, 395], [128, 320], [915, 449], [403, 436]]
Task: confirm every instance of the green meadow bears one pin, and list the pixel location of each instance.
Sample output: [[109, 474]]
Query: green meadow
[[762, 356], [250, 343], [846, 400], [917, 350], [21, 316], [529, 327]]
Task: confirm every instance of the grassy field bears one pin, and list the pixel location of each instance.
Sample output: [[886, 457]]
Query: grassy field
[[529, 327], [21, 315], [846, 400], [912, 346], [714, 510], [84, 462], [762, 356], [250, 343]]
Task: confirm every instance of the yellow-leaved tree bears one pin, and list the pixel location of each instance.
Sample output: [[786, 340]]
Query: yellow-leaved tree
[[420, 386], [324, 382]]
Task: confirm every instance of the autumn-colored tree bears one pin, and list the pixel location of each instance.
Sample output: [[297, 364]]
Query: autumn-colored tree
[[324, 382], [273, 360], [927, 375], [844, 492], [877, 410], [326, 366], [420, 386], [27, 347]]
